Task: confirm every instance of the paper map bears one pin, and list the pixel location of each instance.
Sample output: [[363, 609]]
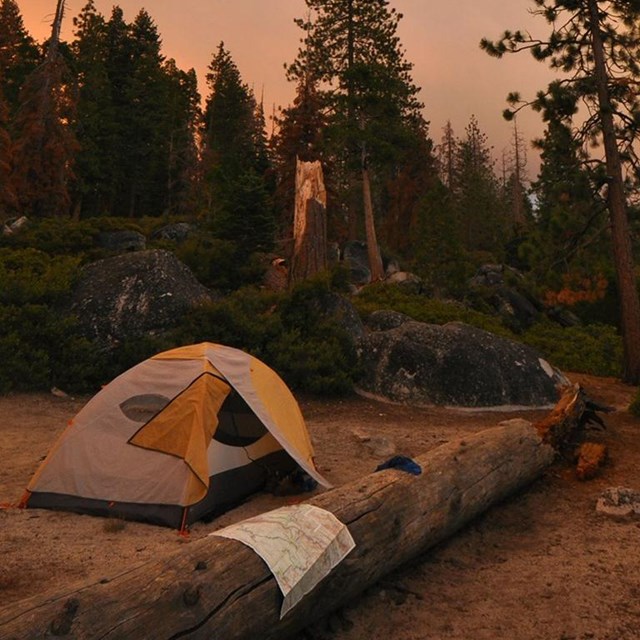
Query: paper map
[[301, 544]]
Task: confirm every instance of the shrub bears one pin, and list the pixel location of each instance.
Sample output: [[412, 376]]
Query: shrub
[[424, 309], [289, 332], [56, 236], [40, 349], [30, 275], [594, 349]]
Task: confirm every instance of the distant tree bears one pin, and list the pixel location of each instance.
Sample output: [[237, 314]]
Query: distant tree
[[144, 121], [19, 53], [183, 119], [476, 193], [518, 207], [597, 45], [44, 140], [8, 200], [439, 256], [96, 164], [446, 154], [568, 235], [237, 200], [415, 175]]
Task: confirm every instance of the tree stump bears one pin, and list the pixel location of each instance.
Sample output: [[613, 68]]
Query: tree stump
[[309, 223]]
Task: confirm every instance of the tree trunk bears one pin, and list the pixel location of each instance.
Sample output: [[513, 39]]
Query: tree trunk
[[373, 251], [309, 223], [620, 232], [219, 589]]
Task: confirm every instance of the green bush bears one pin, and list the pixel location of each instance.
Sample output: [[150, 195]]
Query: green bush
[[594, 349], [247, 319], [30, 275], [288, 332], [40, 349], [56, 236], [424, 309]]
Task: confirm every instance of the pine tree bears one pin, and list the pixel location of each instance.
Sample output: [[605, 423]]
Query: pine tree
[[476, 194], [95, 113], [19, 53], [8, 199], [183, 118], [44, 142], [596, 44], [351, 49], [446, 154], [237, 203], [517, 204], [144, 121], [567, 240], [119, 63]]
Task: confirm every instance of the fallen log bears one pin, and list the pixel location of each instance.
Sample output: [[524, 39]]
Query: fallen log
[[217, 588]]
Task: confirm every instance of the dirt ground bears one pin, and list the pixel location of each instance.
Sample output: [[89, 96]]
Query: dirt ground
[[541, 566]]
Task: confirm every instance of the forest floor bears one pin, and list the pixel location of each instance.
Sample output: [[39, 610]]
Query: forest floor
[[543, 565]]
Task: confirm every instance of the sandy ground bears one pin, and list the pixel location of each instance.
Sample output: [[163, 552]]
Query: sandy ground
[[543, 565]]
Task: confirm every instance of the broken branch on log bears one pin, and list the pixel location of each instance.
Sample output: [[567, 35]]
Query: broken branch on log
[[217, 588]]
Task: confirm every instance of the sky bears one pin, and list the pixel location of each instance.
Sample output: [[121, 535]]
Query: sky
[[441, 40]]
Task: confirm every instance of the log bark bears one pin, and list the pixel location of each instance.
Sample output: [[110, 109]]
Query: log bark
[[219, 589], [309, 223]]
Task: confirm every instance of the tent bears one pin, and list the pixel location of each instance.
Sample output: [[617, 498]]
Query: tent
[[180, 436]]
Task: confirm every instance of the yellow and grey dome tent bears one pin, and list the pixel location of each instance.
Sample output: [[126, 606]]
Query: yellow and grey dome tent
[[182, 435]]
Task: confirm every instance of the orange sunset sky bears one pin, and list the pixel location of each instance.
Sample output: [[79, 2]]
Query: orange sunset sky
[[440, 39]]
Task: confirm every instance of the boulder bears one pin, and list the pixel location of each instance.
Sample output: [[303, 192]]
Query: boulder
[[13, 225], [177, 232], [134, 294], [122, 241], [384, 320], [355, 255], [454, 364], [405, 280], [512, 303], [276, 276], [341, 310]]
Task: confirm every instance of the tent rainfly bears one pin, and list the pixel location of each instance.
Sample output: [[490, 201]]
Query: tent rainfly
[[180, 436]]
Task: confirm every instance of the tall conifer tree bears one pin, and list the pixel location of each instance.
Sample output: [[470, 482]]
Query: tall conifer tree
[[8, 200], [19, 53], [237, 202], [596, 44], [45, 144], [96, 125], [351, 49]]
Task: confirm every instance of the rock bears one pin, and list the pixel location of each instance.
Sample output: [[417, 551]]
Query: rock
[[340, 309], [380, 446], [407, 281], [385, 319], [563, 317], [134, 294], [515, 423], [177, 232], [14, 224], [455, 365], [355, 255], [516, 307], [392, 266], [122, 241], [619, 502], [276, 277]]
